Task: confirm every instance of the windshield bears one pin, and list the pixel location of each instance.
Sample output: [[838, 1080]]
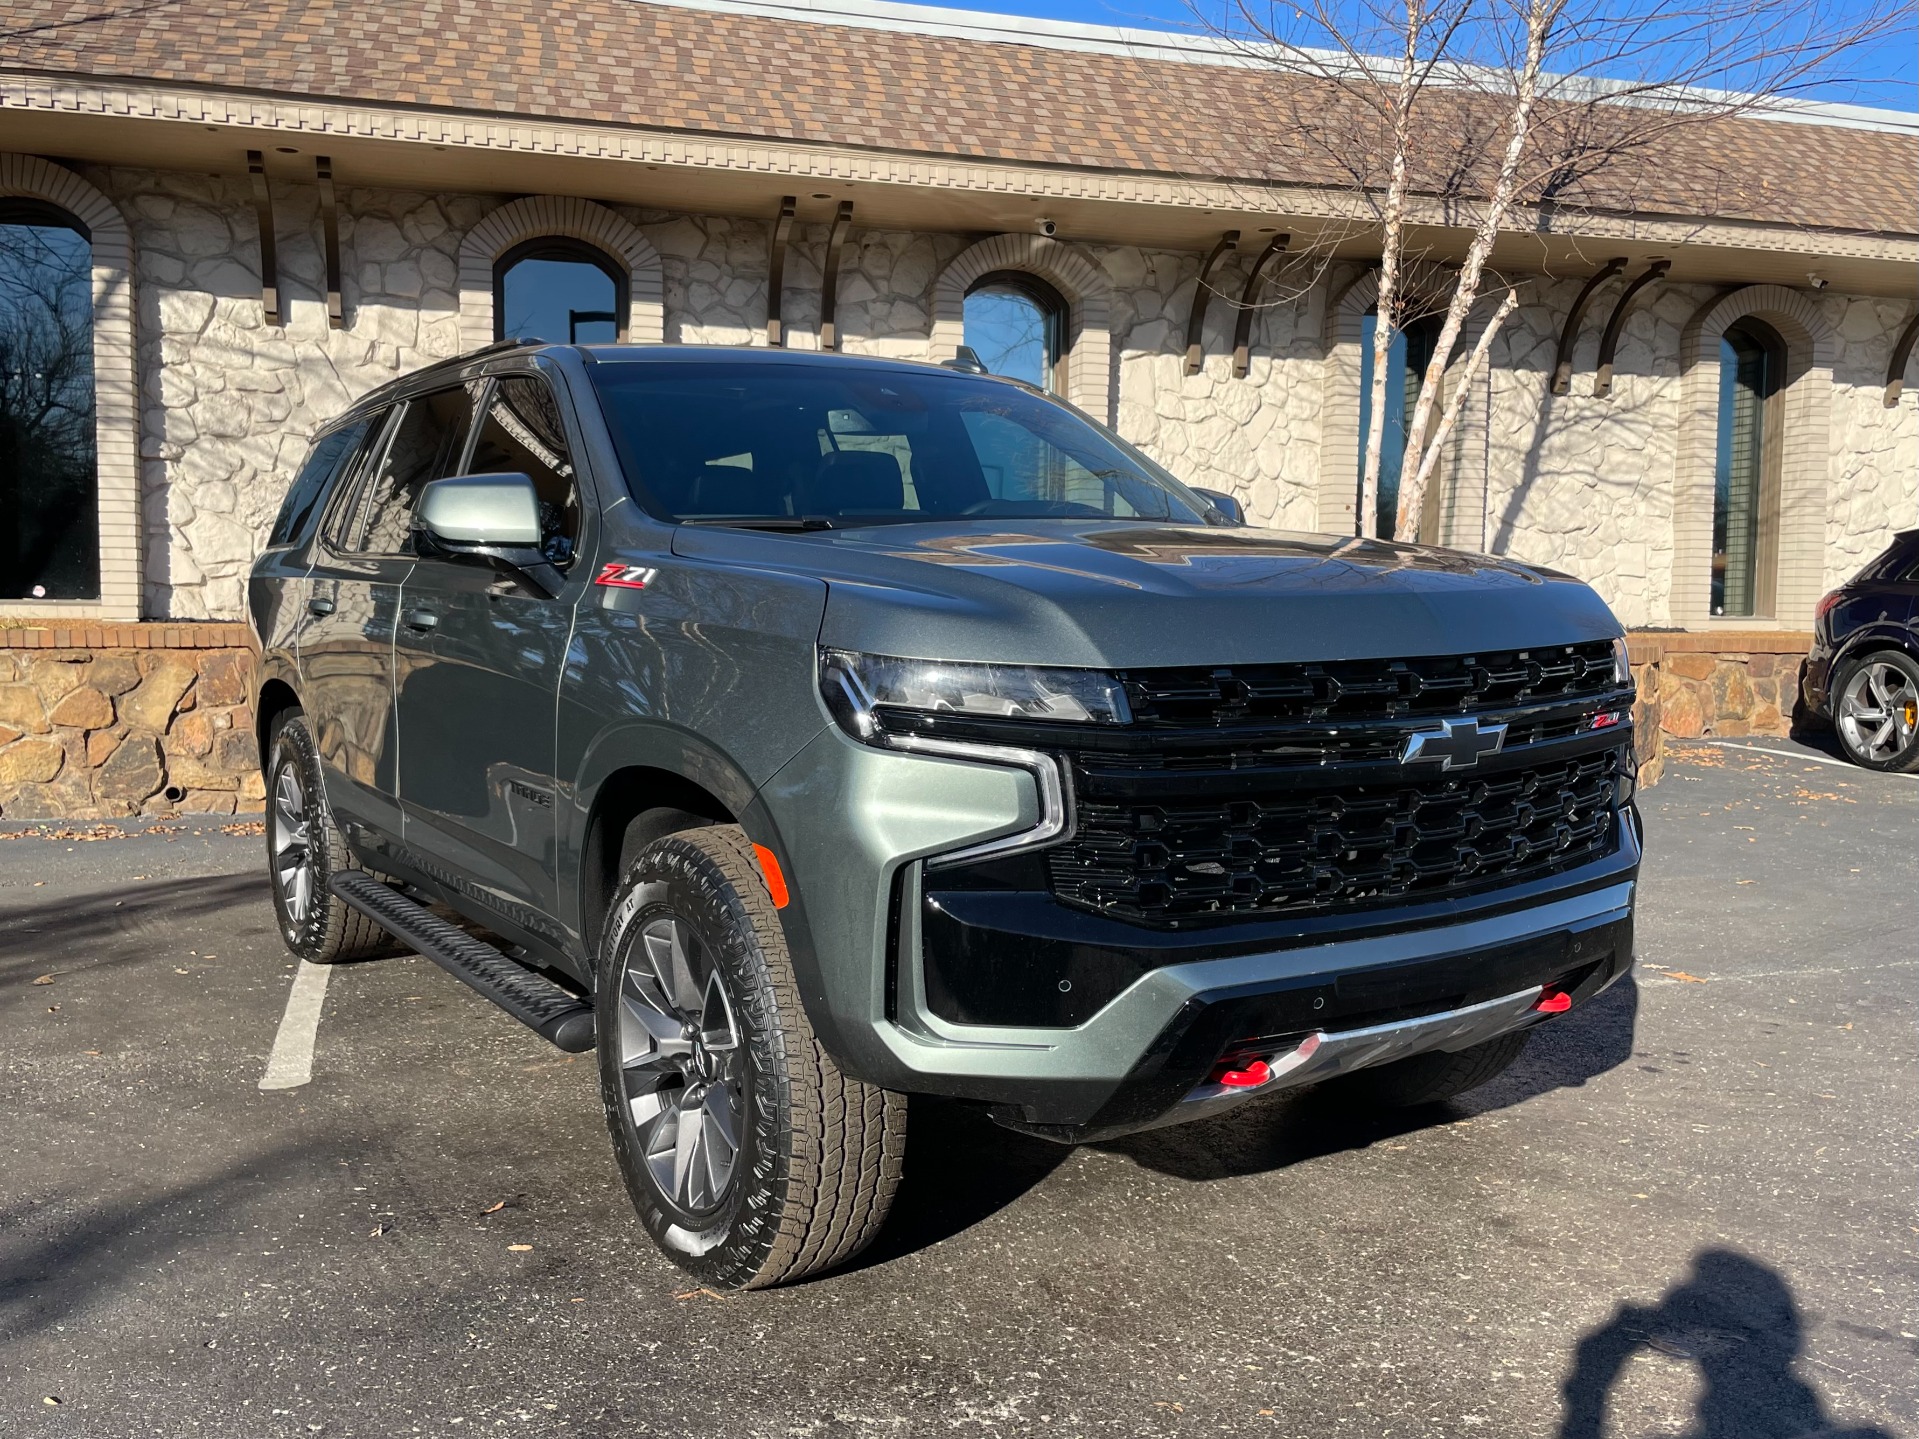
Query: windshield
[[797, 445]]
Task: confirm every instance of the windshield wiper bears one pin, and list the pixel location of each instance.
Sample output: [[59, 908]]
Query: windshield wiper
[[764, 522]]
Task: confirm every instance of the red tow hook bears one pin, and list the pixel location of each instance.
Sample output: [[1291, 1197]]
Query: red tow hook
[[1251, 1077], [1553, 1000]]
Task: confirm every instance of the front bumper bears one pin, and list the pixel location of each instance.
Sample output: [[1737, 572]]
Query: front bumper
[[853, 826]]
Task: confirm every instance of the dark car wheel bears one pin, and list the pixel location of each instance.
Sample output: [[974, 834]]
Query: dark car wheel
[[1875, 711], [1431, 1078], [304, 851], [751, 1159]]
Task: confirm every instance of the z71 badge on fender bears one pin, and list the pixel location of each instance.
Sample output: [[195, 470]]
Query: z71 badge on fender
[[624, 577]]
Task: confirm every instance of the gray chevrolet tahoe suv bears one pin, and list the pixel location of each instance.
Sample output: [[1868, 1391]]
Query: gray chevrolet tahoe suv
[[804, 732]]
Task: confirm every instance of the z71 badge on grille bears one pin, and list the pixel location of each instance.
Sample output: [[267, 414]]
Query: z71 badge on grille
[[624, 577], [1456, 744]]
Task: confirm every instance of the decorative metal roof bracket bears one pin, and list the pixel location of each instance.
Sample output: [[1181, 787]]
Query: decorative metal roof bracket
[[830, 281], [1243, 326], [1202, 292], [1901, 356], [776, 270], [269, 260], [330, 231], [1569, 334], [1609, 341]]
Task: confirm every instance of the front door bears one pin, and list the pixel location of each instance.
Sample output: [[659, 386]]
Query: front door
[[479, 670]]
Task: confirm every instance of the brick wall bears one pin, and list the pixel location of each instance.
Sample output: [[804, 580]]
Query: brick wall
[[102, 721]]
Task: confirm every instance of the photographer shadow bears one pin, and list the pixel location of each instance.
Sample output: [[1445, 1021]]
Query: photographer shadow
[[1736, 1319]]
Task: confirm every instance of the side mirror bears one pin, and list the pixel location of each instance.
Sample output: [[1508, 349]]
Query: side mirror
[[1224, 505], [492, 518]]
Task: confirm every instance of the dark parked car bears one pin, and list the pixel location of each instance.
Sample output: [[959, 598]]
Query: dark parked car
[[1862, 676], [812, 731]]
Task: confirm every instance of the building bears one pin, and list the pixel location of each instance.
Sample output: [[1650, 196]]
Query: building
[[249, 214]]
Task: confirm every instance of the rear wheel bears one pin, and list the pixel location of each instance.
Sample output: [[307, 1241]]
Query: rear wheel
[[1431, 1078], [305, 850], [1876, 712], [750, 1158]]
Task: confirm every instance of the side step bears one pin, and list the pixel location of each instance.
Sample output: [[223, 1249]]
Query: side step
[[537, 1002]]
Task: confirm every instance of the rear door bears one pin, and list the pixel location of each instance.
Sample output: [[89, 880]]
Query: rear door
[[353, 601], [480, 656]]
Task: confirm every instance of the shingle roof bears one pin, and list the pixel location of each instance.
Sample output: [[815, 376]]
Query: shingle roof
[[750, 75]]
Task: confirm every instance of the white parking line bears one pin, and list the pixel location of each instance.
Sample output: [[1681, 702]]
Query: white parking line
[[290, 1065], [1790, 754]]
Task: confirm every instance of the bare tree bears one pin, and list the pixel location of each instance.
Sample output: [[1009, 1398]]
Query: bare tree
[[1443, 119]]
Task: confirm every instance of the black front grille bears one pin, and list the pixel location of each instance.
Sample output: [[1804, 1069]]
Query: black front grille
[[1353, 690], [1145, 852]]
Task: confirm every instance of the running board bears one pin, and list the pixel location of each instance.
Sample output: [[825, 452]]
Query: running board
[[537, 1002]]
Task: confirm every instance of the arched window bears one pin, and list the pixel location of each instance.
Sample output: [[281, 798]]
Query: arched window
[[1745, 519], [49, 480], [1411, 352], [553, 288], [1016, 324]]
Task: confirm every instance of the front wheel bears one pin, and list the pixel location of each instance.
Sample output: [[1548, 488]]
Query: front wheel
[[1876, 712], [750, 1158]]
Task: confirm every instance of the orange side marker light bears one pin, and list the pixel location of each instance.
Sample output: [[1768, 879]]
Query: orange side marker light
[[775, 877]]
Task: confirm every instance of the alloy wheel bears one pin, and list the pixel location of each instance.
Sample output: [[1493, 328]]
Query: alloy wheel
[[1879, 712], [682, 1063], [292, 843]]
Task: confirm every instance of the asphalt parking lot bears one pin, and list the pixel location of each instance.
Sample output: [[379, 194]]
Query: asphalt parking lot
[[1689, 1210]]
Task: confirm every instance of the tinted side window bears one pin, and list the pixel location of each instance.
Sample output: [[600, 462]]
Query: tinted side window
[[427, 443], [326, 459], [521, 433]]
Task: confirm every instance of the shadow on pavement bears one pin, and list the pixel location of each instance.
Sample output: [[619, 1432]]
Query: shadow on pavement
[[1736, 1319], [35, 936], [51, 1271], [961, 1168]]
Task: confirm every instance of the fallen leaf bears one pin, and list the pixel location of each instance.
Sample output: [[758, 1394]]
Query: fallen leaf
[[44, 979], [52, 1401], [494, 1208], [1681, 975], [519, 1248]]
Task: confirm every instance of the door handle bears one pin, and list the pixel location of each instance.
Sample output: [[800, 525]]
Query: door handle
[[421, 619], [319, 606]]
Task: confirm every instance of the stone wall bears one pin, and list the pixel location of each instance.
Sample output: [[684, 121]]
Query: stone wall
[[107, 721], [1577, 482], [1729, 684]]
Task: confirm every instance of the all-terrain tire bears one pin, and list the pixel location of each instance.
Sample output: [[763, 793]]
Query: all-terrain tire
[[1432, 1078], [324, 930], [818, 1153]]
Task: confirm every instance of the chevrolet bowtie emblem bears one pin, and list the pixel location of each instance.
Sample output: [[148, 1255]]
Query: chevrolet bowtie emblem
[[1456, 744]]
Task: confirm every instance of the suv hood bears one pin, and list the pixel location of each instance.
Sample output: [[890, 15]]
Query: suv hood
[[1098, 594]]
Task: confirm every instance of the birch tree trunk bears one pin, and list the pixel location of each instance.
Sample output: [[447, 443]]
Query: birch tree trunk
[[1422, 450], [1392, 249]]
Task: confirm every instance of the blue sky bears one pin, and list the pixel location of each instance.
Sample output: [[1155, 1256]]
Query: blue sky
[[1883, 75]]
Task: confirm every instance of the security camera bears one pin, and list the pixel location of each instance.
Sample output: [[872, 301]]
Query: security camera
[[1048, 228], [1817, 280]]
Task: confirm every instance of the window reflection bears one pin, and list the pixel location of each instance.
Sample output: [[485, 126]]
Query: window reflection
[[560, 290], [49, 517], [1411, 352], [1016, 324], [1751, 357]]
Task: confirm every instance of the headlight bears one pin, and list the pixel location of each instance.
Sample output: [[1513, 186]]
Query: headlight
[[857, 686], [1621, 662]]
